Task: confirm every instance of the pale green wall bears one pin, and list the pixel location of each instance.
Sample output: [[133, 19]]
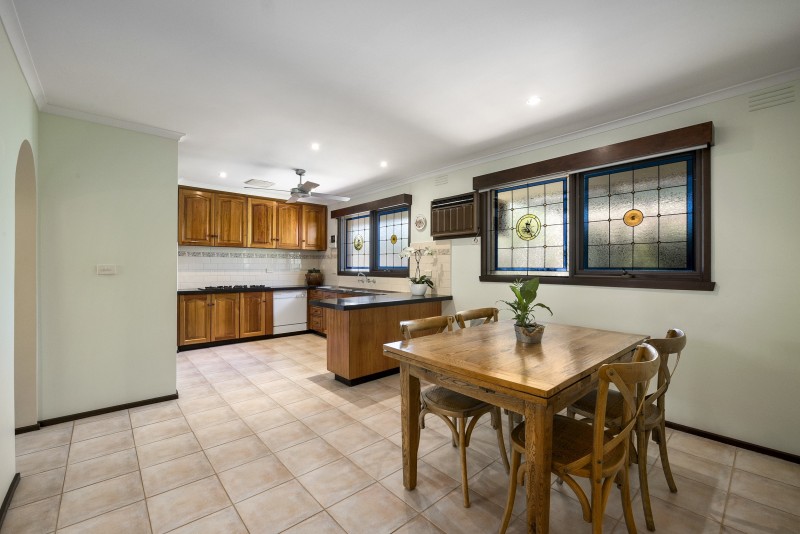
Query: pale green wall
[[17, 124], [741, 369], [106, 195]]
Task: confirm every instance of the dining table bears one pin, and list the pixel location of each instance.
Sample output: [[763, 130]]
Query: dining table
[[539, 380]]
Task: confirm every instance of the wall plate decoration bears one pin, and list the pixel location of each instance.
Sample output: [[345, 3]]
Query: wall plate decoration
[[420, 222]]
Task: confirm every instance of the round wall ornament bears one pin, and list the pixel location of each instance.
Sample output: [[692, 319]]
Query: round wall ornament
[[420, 222]]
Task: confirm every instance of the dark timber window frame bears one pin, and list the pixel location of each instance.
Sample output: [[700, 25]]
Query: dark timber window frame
[[695, 140], [372, 210]]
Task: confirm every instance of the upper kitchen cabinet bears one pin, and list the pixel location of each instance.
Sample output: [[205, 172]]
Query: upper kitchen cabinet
[[287, 226], [314, 227], [211, 219], [261, 223]]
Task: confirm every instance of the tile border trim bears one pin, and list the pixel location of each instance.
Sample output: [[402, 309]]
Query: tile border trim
[[109, 409], [789, 457], [7, 500]]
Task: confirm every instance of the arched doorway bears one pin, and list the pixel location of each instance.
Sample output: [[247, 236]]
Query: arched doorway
[[26, 396]]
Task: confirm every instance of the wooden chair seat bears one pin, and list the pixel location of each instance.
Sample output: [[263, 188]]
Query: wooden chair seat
[[446, 400]]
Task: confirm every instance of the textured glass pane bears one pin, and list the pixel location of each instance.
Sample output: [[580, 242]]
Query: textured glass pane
[[554, 235], [536, 258], [619, 205], [672, 228], [536, 196], [504, 257], [504, 238], [621, 182], [673, 174], [673, 200], [382, 232], [517, 241], [597, 257], [598, 209], [598, 233], [620, 256], [539, 211], [598, 186], [519, 198], [672, 256], [520, 258], [646, 202], [504, 200], [554, 214], [645, 179], [647, 231], [620, 232], [645, 256], [554, 258], [503, 219], [404, 234], [554, 193]]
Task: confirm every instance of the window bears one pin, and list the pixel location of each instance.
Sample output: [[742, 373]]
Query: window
[[392, 239], [357, 243], [631, 218]]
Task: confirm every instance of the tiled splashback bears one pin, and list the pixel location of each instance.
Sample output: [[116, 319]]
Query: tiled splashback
[[217, 266]]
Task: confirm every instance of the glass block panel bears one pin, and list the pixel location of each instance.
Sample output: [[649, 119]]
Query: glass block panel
[[646, 202], [619, 205], [673, 174], [620, 182], [554, 258], [598, 186], [620, 233], [597, 257], [647, 231], [672, 256], [620, 256], [598, 233], [598, 209], [645, 178], [645, 256], [673, 200], [672, 228]]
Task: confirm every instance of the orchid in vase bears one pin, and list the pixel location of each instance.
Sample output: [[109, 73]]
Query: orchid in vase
[[418, 280]]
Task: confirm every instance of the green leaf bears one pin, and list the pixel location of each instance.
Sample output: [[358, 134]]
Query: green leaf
[[540, 305]]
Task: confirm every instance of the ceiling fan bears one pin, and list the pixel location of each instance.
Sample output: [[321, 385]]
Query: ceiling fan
[[303, 190]]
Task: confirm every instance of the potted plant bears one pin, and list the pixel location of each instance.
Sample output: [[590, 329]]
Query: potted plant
[[419, 284], [314, 277], [525, 325]]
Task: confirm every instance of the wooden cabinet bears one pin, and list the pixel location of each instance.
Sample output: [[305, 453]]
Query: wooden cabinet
[[211, 219], [287, 226], [224, 316], [255, 314], [455, 216], [194, 319], [261, 223], [314, 227], [317, 315]]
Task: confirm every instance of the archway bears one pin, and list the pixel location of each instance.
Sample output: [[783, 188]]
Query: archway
[[26, 398]]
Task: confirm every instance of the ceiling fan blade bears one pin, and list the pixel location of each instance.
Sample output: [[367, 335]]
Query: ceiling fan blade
[[308, 186], [292, 199], [329, 197]]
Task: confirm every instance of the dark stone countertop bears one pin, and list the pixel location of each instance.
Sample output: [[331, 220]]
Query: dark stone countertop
[[377, 301], [201, 291]]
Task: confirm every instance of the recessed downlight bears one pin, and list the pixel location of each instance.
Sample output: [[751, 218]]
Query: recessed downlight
[[384, 164], [314, 146], [223, 174], [533, 100]]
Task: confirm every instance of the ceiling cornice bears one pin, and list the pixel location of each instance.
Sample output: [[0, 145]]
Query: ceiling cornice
[[109, 121], [722, 94]]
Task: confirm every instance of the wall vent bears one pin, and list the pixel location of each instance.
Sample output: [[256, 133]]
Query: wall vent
[[440, 180], [772, 97]]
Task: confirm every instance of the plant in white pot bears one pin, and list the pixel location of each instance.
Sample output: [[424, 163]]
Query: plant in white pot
[[419, 283], [525, 325]]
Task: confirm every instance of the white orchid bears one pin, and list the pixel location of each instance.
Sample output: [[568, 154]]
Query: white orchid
[[417, 253]]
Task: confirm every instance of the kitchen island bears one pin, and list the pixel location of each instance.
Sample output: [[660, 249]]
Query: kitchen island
[[357, 328]]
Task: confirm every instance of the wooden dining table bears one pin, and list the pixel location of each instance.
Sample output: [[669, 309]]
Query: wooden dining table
[[486, 362]]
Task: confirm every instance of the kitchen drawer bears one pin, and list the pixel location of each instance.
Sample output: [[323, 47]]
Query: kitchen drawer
[[316, 311], [317, 323], [331, 295], [315, 294]]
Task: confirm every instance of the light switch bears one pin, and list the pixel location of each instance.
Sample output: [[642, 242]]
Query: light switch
[[106, 268]]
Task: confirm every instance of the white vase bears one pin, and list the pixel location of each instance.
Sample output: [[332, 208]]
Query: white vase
[[419, 289]]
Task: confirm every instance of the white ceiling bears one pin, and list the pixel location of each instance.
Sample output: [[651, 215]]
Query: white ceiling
[[420, 84]]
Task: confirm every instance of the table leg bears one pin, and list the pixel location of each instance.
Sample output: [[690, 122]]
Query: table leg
[[409, 414], [538, 463]]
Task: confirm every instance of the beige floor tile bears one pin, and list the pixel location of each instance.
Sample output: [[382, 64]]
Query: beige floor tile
[[36, 462], [90, 501], [380, 459], [447, 460], [248, 392], [39, 486], [226, 521], [693, 496], [148, 407], [362, 408], [705, 448], [167, 449], [386, 423], [233, 384], [351, 438], [190, 406], [450, 515], [269, 419], [614, 503], [484, 440], [429, 440], [102, 427], [254, 406], [766, 491], [767, 466], [286, 436], [261, 516], [35, 518], [308, 407], [289, 395], [418, 525], [175, 473], [492, 483], [101, 468], [241, 451], [265, 377], [211, 417], [252, 478], [565, 517], [432, 485], [162, 430], [322, 523], [94, 447], [131, 519], [337, 480], [307, 456], [190, 380], [276, 386], [387, 512], [328, 421], [100, 417], [155, 415], [670, 519], [748, 516], [222, 433], [39, 440], [185, 504], [700, 469]]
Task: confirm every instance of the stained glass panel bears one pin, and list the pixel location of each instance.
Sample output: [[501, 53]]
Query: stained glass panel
[[357, 243], [393, 238]]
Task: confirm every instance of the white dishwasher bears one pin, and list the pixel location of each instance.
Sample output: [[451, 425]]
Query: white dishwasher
[[289, 311]]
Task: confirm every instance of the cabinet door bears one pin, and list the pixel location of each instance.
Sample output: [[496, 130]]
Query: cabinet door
[[225, 316], [314, 227], [288, 226], [194, 319], [229, 220], [252, 314], [261, 223], [195, 217]]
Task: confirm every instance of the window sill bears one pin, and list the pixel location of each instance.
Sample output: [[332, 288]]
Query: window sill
[[377, 274], [611, 281]]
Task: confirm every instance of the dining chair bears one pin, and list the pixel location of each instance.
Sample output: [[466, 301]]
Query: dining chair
[[460, 412], [652, 420], [585, 450]]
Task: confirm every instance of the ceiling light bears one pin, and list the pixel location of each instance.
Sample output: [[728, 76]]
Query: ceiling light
[[534, 101], [384, 164], [223, 174], [314, 146]]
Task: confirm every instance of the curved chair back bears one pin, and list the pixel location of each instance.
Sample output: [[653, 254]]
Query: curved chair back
[[674, 343], [487, 315], [425, 327]]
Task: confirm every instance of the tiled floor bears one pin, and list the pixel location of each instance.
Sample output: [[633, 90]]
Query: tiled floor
[[263, 440]]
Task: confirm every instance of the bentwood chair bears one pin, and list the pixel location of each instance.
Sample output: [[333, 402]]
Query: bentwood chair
[[581, 449], [652, 419], [452, 407]]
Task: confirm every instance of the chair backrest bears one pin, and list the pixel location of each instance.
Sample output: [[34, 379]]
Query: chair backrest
[[674, 343], [487, 314], [425, 327]]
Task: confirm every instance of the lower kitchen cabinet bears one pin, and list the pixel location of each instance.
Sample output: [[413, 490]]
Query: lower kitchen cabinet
[[317, 315], [194, 319], [224, 316], [255, 314]]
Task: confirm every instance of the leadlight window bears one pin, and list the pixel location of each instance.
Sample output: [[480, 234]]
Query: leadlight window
[[392, 238], [357, 242], [530, 228]]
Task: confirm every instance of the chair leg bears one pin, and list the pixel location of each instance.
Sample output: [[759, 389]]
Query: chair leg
[[626, 502], [662, 450], [642, 439], [497, 423], [462, 449], [597, 506], [516, 457], [455, 423]]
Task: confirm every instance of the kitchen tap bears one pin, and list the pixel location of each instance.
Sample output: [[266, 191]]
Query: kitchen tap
[[366, 279]]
